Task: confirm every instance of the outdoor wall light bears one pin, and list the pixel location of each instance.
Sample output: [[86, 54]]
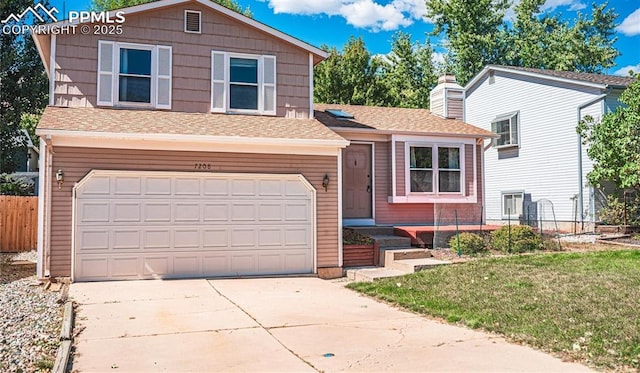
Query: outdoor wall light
[[325, 182], [60, 178]]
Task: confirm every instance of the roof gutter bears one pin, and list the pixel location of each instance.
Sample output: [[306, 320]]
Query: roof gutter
[[392, 132], [580, 168]]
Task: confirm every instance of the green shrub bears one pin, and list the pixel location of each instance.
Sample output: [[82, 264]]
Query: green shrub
[[15, 186], [470, 243], [615, 210], [523, 239]]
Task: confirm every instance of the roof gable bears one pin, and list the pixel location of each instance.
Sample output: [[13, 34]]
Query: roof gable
[[585, 79], [42, 41]]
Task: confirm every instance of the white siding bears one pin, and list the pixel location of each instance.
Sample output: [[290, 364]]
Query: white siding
[[546, 165]]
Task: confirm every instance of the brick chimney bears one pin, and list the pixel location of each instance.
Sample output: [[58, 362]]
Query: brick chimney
[[447, 98]]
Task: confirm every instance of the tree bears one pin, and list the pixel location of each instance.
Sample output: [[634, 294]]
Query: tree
[[99, 5], [478, 34], [408, 72], [543, 40], [349, 77], [614, 142], [23, 85], [473, 29]]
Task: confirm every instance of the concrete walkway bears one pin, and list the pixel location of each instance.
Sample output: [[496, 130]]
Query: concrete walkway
[[283, 324]]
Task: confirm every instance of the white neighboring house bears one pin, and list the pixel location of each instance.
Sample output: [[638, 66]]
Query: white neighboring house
[[538, 156]]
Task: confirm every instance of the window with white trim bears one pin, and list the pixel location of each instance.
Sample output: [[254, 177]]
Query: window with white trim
[[512, 204], [134, 75], [435, 169], [506, 126], [243, 83]]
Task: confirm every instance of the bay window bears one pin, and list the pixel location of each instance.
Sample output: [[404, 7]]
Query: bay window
[[435, 169]]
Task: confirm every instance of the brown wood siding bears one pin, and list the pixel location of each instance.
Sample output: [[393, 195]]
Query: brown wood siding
[[76, 59], [77, 162], [401, 189], [468, 170], [398, 213], [454, 108]]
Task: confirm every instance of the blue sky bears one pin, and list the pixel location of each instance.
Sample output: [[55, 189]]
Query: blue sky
[[331, 22]]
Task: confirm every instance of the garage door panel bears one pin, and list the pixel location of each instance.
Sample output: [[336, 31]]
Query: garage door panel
[[127, 185], [270, 188], [153, 225], [157, 186], [187, 186], [243, 237], [215, 212], [126, 212], [156, 266], [186, 212], [157, 238], [124, 266], [186, 238], [126, 239], [215, 237], [243, 212], [93, 212], [91, 240], [243, 188], [157, 212]]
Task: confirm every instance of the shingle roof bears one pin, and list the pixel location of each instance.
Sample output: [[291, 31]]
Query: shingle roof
[[178, 123], [613, 80], [400, 120]]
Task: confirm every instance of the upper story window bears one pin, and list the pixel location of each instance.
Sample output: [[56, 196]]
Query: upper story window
[[434, 165], [506, 126], [134, 75], [243, 83]]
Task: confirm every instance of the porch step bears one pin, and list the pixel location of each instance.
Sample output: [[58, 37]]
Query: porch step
[[391, 256], [374, 231], [387, 241], [370, 274], [416, 265]]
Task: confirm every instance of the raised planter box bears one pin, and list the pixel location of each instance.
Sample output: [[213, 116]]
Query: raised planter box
[[359, 255]]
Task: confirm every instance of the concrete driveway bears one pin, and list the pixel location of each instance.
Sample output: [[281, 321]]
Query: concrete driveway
[[279, 324]]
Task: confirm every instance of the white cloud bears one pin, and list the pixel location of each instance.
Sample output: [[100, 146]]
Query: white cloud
[[631, 25], [368, 14], [438, 58], [572, 4], [624, 71]]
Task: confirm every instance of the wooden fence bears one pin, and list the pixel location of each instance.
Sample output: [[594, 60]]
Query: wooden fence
[[18, 223]]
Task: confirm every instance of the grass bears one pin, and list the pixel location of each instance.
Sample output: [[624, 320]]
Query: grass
[[582, 306]]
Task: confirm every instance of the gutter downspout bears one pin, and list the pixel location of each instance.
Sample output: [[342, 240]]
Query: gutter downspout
[[580, 171]]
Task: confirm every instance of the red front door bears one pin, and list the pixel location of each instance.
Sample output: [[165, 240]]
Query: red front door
[[357, 184]]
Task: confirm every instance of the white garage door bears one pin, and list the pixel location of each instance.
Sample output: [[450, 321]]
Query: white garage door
[[135, 225]]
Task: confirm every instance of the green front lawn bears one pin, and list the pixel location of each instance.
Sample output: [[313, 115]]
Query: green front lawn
[[583, 306]]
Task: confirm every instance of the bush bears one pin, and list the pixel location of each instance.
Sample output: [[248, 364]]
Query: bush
[[15, 186], [523, 239], [614, 212], [470, 243]]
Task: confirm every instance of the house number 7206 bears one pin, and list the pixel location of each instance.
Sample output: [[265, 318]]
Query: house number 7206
[[203, 166]]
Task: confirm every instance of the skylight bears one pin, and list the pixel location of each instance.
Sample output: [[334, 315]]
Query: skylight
[[339, 113]]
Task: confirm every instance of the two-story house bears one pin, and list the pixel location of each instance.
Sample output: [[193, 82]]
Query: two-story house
[[536, 170], [187, 144]]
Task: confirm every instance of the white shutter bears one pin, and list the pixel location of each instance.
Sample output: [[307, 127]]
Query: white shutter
[[218, 82], [269, 85], [163, 77], [106, 66]]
